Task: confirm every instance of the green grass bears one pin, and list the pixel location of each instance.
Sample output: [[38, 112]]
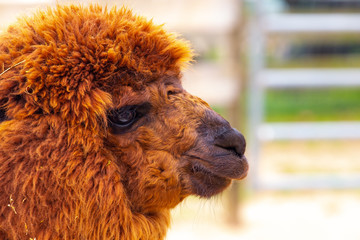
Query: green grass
[[316, 62], [335, 104], [313, 105]]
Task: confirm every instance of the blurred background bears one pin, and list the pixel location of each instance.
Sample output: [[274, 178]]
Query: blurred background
[[287, 74]]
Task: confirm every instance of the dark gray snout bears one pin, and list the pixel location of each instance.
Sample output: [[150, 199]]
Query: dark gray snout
[[231, 140]]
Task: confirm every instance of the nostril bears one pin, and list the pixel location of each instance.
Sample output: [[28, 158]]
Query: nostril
[[231, 140], [233, 150]]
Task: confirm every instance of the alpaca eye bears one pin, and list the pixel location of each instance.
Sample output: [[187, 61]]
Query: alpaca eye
[[122, 117], [121, 120]]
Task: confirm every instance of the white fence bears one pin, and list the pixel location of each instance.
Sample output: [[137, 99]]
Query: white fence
[[260, 79]]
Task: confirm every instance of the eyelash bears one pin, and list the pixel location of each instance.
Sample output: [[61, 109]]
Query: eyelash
[[122, 119]]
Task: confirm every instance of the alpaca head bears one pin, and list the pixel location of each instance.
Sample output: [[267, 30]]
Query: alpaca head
[[112, 82], [174, 145]]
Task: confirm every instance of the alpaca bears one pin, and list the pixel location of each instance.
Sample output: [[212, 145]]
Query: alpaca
[[98, 139]]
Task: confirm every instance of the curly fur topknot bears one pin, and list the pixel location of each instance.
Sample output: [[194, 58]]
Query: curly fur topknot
[[66, 48]]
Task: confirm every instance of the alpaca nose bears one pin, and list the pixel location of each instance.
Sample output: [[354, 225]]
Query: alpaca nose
[[231, 140]]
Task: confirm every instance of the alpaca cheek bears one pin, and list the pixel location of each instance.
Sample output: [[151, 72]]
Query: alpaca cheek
[[160, 170], [157, 184]]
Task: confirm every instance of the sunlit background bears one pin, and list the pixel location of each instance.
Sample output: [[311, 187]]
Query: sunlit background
[[287, 74]]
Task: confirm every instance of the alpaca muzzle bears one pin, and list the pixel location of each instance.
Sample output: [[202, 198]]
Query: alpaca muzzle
[[232, 146], [231, 140], [216, 158]]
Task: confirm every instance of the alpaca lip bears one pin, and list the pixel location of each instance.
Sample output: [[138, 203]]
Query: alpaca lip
[[203, 182], [225, 165], [208, 175]]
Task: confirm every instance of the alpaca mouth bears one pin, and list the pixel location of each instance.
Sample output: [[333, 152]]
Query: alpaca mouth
[[210, 175], [231, 166]]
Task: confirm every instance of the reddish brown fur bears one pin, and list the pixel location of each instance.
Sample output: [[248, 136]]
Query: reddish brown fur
[[64, 173]]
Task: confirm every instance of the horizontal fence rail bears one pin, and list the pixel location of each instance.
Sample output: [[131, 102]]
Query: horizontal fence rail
[[261, 26], [310, 23], [310, 78], [312, 182], [308, 130]]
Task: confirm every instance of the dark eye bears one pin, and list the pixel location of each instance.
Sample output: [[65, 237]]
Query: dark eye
[[121, 120], [122, 117]]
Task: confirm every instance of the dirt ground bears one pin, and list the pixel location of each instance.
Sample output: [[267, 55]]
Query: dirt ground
[[305, 215], [283, 215]]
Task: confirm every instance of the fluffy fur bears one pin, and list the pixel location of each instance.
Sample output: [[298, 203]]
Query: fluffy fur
[[67, 169]]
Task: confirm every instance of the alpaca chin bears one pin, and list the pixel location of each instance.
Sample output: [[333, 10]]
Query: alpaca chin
[[204, 183], [204, 177]]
